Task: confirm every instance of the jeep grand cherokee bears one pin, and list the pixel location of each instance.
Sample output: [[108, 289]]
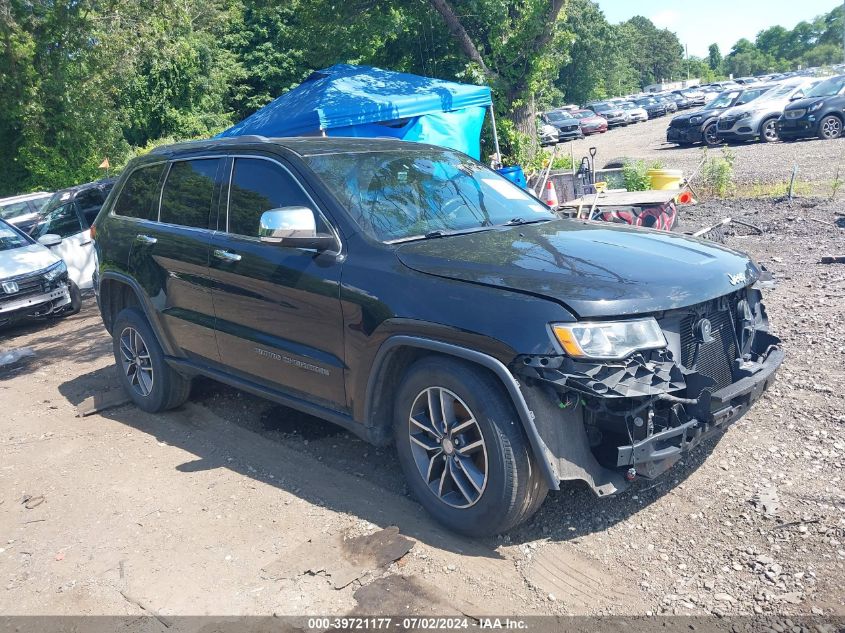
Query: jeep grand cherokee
[[410, 294]]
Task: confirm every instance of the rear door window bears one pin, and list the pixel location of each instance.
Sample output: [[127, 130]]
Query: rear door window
[[91, 201], [258, 186], [188, 192], [139, 196]]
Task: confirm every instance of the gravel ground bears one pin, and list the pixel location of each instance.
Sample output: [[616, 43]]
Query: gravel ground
[[756, 163], [183, 511]]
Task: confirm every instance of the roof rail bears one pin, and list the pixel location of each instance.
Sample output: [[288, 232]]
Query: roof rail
[[247, 138]]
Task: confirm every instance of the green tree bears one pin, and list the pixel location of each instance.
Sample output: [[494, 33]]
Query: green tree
[[597, 65], [655, 54], [714, 58]]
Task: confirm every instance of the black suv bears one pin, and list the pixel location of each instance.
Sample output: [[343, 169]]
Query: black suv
[[410, 294], [819, 113], [702, 125]]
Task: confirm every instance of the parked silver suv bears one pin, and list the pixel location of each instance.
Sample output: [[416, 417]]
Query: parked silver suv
[[758, 118]]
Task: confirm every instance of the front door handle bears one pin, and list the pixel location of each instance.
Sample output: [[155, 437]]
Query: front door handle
[[145, 239], [226, 256]]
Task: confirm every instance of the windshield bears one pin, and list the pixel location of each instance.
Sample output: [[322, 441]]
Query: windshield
[[410, 194], [583, 114], [10, 238], [827, 88], [723, 100], [779, 91], [558, 117]]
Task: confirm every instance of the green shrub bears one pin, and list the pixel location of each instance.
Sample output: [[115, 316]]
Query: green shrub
[[635, 174], [717, 173]]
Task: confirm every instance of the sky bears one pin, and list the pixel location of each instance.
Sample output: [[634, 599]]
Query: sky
[[699, 24]]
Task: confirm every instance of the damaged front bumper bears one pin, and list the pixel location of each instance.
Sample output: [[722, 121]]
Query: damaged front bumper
[[609, 422]]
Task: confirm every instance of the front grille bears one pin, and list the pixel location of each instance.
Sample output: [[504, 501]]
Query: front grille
[[714, 358], [31, 284], [794, 114], [570, 128], [679, 123], [725, 124]]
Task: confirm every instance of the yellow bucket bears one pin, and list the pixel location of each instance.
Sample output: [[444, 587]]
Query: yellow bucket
[[663, 179]]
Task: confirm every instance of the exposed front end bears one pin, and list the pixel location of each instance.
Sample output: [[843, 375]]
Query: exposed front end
[[682, 130], [34, 294], [610, 421]]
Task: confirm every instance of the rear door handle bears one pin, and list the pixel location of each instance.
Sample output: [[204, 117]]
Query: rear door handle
[[226, 256], [145, 239]]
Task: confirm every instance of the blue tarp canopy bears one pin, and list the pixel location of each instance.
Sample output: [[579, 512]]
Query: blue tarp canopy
[[347, 100]]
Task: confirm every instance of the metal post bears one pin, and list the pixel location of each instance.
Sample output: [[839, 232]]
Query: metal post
[[843, 28], [495, 135]]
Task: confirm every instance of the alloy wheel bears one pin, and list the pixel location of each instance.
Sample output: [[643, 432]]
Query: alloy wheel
[[831, 127], [448, 447], [770, 131], [137, 365], [710, 135]]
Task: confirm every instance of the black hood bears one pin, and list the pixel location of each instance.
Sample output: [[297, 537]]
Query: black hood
[[595, 269], [686, 116], [804, 103]]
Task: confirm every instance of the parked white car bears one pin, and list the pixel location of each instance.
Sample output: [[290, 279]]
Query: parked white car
[[23, 211], [69, 215], [635, 113], [33, 279]]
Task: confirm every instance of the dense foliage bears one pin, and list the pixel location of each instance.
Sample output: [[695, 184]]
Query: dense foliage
[[81, 80]]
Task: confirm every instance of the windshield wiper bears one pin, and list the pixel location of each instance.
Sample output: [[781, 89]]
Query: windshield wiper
[[520, 221]]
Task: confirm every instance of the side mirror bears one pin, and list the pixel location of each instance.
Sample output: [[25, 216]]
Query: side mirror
[[295, 227], [796, 96], [50, 239]]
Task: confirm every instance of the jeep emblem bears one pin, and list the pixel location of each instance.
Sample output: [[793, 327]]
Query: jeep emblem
[[703, 331], [10, 287], [736, 279]]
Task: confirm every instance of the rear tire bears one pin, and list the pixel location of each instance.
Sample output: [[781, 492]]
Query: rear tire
[[475, 474], [146, 377]]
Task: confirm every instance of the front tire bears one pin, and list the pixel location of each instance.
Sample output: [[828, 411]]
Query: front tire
[[710, 135], [462, 448], [830, 127], [148, 380], [769, 131]]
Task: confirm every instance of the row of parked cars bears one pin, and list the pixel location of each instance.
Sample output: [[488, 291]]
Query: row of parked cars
[[784, 109], [572, 122], [46, 251]]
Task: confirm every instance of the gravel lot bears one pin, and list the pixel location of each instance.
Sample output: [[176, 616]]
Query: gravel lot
[[184, 513], [756, 163]]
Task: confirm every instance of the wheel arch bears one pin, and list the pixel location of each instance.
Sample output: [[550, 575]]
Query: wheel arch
[[118, 291], [397, 354]]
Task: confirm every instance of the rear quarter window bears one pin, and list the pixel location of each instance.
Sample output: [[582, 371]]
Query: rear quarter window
[[139, 196]]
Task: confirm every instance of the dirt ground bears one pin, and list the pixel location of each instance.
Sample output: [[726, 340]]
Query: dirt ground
[[755, 163], [209, 509]]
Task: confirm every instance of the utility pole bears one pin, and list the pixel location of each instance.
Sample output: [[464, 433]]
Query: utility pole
[[843, 29]]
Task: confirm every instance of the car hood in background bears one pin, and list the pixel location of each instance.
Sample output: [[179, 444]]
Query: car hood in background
[[595, 269], [27, 259]]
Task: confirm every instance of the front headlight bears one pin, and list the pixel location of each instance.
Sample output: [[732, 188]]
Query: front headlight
[[609, 340], [745, 115], [815, 106], [695, 120], [55, 271]]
